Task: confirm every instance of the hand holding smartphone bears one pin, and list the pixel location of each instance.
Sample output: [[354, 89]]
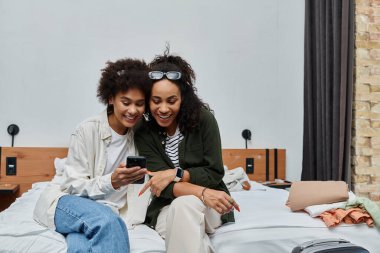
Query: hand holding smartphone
[[133, 161]]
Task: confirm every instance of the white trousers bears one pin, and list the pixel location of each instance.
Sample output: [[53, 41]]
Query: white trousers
[[184, 224]]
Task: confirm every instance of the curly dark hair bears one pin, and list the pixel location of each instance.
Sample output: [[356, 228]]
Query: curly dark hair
[[191, 104], [120, 76]]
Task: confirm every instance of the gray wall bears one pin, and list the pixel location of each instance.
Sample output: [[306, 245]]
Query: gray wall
[[248, 56]]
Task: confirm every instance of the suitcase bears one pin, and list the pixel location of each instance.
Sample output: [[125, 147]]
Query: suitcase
[[329, 246]]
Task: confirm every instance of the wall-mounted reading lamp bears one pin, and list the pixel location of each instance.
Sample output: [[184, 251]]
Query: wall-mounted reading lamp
[[13, 129], [247, 136]]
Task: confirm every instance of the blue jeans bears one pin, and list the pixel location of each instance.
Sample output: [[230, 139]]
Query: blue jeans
[[90, 226]]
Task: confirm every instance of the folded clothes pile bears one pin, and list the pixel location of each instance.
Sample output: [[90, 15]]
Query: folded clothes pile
[[333, 203]]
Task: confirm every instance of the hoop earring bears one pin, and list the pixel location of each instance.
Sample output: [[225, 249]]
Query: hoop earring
[[146, 116]]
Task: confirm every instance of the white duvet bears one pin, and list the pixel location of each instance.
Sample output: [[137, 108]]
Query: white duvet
[[20, 233], [264, 224]]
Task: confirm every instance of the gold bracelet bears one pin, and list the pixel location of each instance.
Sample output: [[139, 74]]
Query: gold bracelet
[[202, 195]]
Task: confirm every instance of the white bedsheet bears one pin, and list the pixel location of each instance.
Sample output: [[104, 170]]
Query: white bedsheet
[[264, 224], [20, 233]]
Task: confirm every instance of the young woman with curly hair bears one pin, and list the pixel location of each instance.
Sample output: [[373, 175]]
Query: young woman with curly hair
[[182, 144], [85, 205]]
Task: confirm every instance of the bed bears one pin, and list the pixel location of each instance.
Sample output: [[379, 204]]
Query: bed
[[264, 224]]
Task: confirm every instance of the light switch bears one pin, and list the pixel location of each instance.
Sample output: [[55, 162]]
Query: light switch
[[11, 165], [249, 165]]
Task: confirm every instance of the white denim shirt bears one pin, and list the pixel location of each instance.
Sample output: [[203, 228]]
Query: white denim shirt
[[83, 173]]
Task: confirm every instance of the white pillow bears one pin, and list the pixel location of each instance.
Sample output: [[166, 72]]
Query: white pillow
[[234, 178], [59, 164]]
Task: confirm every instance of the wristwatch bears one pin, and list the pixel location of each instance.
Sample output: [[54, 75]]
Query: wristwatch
[[178, 174]]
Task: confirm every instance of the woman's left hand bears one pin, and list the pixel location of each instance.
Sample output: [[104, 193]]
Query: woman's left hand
[[159, 181], [219, 201]]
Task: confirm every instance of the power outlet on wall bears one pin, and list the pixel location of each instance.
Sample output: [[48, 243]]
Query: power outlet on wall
[[249, 165], [11, 165]]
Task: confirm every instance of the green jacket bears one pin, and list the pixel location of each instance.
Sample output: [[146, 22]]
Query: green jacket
[[199, 153]]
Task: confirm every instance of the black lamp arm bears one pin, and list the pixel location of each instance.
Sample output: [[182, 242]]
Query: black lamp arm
[[247, 136], [13, 129]]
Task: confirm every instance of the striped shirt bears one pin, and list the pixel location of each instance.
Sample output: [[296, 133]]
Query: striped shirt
[[171, 146]]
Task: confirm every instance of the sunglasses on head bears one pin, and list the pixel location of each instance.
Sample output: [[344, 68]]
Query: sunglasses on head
[[171, 75]]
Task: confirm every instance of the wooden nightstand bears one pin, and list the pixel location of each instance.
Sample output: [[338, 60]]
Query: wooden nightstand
[[272, 184], [8, 194], [6, 189]]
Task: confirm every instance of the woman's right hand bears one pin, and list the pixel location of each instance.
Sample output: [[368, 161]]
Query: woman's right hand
[[159, 181], [219, 201], [124, 176]]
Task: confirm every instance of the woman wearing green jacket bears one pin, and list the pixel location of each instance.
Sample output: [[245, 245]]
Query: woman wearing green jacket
[[182, 144]]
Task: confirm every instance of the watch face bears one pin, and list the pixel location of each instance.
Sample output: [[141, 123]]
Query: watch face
[[179, 173]]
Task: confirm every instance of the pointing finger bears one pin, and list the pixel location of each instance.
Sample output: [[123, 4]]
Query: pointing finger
[[146, 186], [237, 207]]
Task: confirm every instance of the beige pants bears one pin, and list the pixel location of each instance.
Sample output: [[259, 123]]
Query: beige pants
[[184, 224]]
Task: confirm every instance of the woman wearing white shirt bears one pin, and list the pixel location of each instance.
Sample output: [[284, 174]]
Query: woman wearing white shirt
[[85, 207]]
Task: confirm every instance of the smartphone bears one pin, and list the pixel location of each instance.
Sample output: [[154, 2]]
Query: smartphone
[[133, 161]]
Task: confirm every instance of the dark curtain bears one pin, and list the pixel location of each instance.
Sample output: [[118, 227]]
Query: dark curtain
[[328, 93]]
